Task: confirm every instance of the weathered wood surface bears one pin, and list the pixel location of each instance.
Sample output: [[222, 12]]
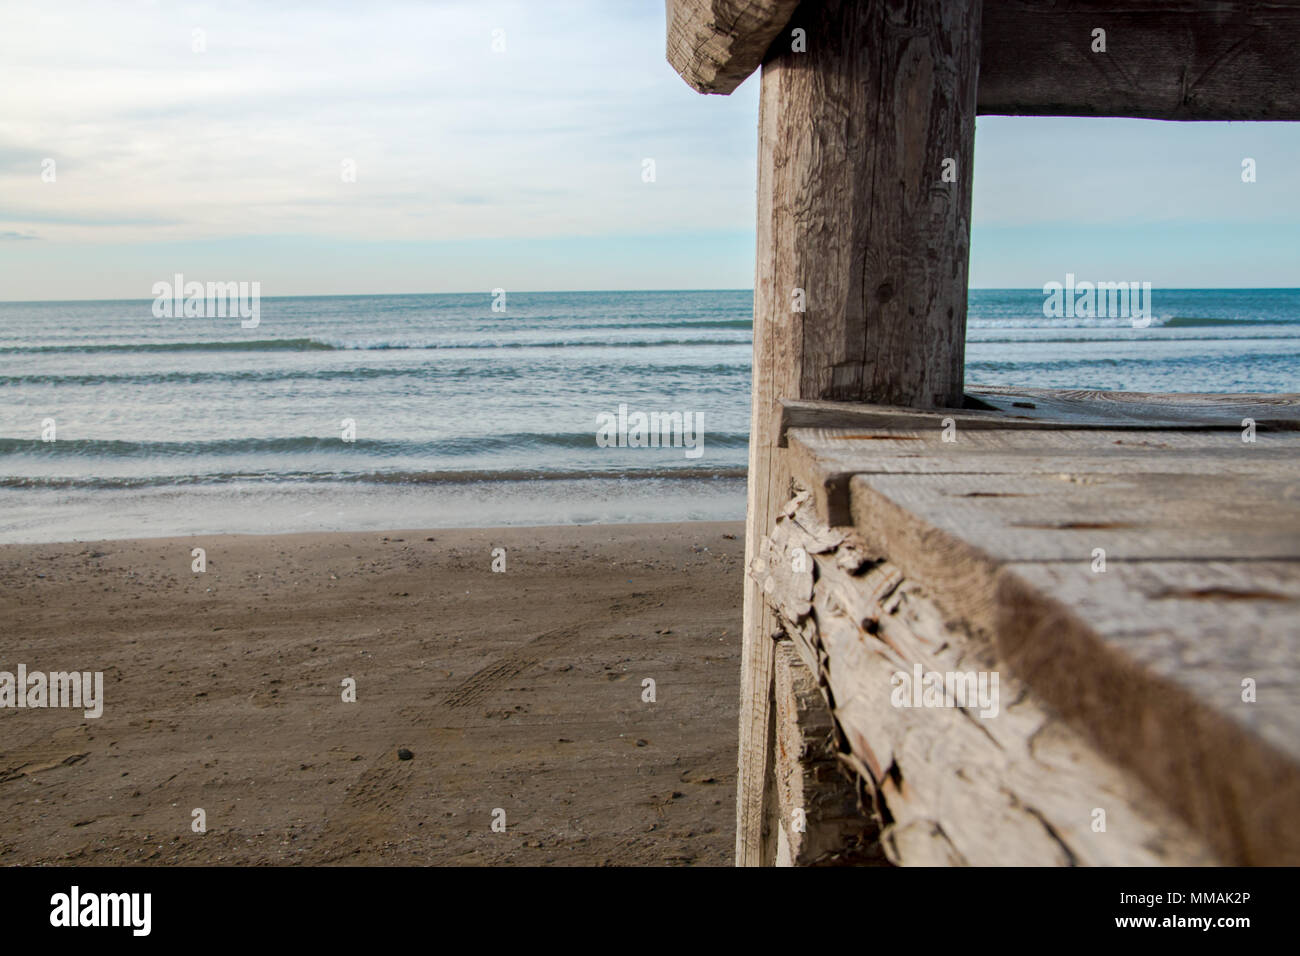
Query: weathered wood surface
[[1160, 516], [852, 219], [1040, 408], [820, 822], [1095, 408], [1200, 536], [1177, 59], [1173, 60], [716, 44], [950, 786], [1151, 657], [824, 460]]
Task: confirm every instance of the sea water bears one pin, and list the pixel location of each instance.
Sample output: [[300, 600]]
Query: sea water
[[422, 411]]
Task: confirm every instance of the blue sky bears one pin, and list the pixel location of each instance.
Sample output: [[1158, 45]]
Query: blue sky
[[519, 166]]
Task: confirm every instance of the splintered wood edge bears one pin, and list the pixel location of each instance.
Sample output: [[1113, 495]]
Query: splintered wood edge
[[714, 45], [1208, 767], [809, 779], [1022, 789]]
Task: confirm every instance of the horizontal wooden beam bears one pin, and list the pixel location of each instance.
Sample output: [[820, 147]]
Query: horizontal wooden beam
[[1176, 60], [716, 44], [1055, 409], [824, 460], [952, 785], [1134, 579]]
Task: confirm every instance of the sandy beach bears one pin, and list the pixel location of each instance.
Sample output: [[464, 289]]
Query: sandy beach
[[519, 691]]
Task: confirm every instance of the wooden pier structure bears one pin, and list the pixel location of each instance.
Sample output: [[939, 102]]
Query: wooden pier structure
[[1127, 567]]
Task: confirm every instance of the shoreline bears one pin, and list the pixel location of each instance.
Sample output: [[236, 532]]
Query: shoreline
[[518, 690], [36, 515], [383, 532]]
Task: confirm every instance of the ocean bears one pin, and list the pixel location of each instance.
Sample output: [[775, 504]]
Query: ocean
[[426, 411]]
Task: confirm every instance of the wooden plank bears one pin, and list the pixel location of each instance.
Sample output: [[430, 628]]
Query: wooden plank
[[1149, 516], [855, 227], [824, 460], [820, 823], [799, 415], [1177, 60], [1173, 60], [716, 44], [1040, 409], [1154, 645], [1150, 658], [953, 533], [1083, 408], [1015, 787]]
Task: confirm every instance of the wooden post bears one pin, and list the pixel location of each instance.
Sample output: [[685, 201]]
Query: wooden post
[[864, 174]]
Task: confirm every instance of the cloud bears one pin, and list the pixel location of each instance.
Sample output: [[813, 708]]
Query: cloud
[[163, 147], [449, 139]]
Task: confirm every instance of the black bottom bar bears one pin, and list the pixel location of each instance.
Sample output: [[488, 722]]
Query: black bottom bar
[[332, 906]]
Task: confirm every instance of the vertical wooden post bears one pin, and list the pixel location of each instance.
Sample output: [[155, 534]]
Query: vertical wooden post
[[856, 225]]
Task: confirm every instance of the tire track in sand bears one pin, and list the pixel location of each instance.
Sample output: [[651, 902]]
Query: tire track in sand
[[511, 664]]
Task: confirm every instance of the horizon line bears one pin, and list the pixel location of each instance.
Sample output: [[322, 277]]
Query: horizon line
[[396, 295]]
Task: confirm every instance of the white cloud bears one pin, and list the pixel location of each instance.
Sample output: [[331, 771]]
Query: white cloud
[[154, 141]]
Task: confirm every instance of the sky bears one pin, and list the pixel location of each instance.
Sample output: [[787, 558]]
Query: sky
[[498, 144]]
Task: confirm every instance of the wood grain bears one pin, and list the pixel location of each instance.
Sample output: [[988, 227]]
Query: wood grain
[[1092, 407], [1019, 787], [1201, 590], [1040, 408], [852, 211], [716, 44], [1175, 60], [1149, 661], [1147, 658], [824, 460], [820, 822], [1158, 515]]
